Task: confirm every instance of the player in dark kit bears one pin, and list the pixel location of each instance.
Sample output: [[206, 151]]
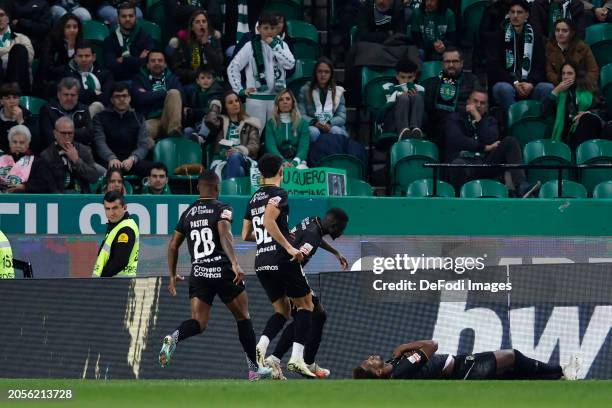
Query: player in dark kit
[[214, 271], [277, 262], [418, 360], [308, 235]]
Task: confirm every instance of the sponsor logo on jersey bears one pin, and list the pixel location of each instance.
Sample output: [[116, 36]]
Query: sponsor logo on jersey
[[306, 249], [275, 201], [226, 214], [123, 238], [415, 358]]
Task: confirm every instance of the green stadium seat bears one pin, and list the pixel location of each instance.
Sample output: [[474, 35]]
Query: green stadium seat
[[407, 159], [571, 189], [353, 166], [301, 75], [32, 103], [424, 188], [471, 14], [382, 140], [236, 186], [357, 187], [291, 9], [546, 151], [95, 32], [153, 30], [430, 69], [371, 86], [595, 151], [599, 38], [156, 13], [526, 123], [605, 83], [305, 39], [484, 189], [603, 190], [175, 152]]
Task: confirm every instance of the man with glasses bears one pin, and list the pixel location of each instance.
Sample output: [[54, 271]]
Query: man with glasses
[[67, 104], [65, 166], [120, 135], [447, 93]]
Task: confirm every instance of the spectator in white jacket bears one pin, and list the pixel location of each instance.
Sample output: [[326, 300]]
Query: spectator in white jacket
[[265, 61]]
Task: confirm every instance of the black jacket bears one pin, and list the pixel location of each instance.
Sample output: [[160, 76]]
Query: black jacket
[[5, 126], [146, 100], [461, 136], [538, 16], [53, 111], [48, 173], [367, 30], [180, 62], [497, 61], [88, 96], [119, 136], [33, 19], [492, 21], [131, 64], [54, 60]]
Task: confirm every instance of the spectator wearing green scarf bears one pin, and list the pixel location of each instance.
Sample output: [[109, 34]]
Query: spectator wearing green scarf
[[574, 104]]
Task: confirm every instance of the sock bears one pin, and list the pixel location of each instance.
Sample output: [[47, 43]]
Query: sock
[[303, 320], [187, 329], [263, 343], [285, 342], [246, 335], [297, 352], [528, 368], [273, 327], [314, 337]]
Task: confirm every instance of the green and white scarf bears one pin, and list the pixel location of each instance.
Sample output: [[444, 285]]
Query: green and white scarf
[[158, 84], [88, 79], [259, 70], [5, 41], [125, 41], [448, 92], [510, 45], [557, 10], [243, 20], [583, 101], [323, 111]]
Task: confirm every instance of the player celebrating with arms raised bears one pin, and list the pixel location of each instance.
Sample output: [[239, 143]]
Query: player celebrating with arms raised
[[214, 271], [277, 263]]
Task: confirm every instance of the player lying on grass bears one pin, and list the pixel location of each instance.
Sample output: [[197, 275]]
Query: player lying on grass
[[308, 237], [418, 360], [214, 271]]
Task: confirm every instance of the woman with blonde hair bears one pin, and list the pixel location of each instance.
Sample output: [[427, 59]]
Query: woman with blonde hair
[[287, 133]]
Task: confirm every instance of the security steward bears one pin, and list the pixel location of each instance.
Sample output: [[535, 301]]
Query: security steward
[[6, 258], [118, 254]]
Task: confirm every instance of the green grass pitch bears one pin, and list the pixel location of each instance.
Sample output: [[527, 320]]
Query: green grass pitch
[[315, 394]]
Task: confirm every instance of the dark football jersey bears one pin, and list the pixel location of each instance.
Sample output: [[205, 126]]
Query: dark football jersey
[[269, 253], [415, 365], [199, 225], [308, 237]]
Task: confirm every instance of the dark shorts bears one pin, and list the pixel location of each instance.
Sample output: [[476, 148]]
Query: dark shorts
[[479, 366], [205, 289], [289, 280]]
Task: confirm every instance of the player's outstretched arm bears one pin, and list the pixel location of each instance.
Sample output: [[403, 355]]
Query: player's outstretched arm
[[247, 231], [428, 347], [269, 222], [329, 248], [226, 238], [173, 248]]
